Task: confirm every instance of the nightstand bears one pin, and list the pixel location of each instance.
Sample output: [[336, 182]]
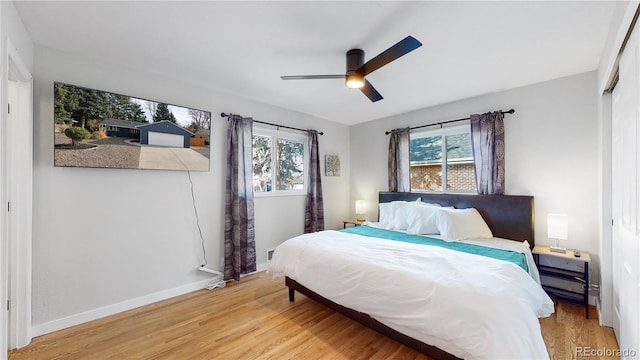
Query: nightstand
[[352, 222], [564, 276]]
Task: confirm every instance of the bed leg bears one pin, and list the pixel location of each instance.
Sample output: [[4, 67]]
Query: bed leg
[[291, 294]]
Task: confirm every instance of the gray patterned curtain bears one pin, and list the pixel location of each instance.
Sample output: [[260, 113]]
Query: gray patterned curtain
[[487, 141], [239, 228], [399, 172], [314, 209]]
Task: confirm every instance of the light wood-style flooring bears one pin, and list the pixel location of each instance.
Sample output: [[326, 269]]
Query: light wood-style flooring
[[254, 319]]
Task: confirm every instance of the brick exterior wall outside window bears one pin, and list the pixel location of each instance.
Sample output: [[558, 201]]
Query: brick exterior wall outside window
[[460, 176]]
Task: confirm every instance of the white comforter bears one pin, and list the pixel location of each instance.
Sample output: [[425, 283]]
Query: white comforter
[[471, 306]]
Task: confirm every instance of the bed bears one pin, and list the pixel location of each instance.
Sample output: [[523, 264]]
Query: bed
[[476, 298]]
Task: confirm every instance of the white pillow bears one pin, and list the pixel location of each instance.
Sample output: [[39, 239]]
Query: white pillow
[[385, 213], [388, 212], [419, 202], [401, 213], [393, 215], [462, 224], [423, 220]]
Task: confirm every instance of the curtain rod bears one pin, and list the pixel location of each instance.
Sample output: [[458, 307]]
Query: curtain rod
[[266, 123], [449, 121]]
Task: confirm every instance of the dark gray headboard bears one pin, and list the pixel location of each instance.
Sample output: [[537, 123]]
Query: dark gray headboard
[[508, 216]]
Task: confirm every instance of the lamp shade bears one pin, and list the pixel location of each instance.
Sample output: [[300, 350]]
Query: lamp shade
[[557, 226], [361, 206]]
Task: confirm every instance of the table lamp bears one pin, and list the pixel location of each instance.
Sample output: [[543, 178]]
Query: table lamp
[[361, 209], [557, 228]]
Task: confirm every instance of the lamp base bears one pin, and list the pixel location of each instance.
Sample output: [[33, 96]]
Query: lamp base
[[557, 249], [361, 219]]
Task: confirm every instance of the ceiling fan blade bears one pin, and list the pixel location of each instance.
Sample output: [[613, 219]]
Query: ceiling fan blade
[[370, 91], [307, 77], [401, 48]]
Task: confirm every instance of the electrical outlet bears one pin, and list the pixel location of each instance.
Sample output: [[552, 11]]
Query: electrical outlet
[[270, 254], [222, 262]]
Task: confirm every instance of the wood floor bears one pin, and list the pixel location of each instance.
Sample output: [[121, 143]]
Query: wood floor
[[255, 320]]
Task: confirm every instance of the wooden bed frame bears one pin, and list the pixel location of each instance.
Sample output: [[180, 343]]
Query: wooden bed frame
[[508, 216]]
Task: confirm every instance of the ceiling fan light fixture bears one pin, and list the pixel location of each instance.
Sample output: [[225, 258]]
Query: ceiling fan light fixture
[[357, 69], [354, 81]]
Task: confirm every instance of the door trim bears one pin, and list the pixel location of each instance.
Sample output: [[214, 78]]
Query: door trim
[[17, 157]]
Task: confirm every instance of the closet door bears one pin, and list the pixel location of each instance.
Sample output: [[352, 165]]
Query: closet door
[[626, 217]]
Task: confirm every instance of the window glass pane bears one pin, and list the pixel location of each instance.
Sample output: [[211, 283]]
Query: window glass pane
[[426, 163], [460, 169], [290, 158], [261, 163], [426, 154]]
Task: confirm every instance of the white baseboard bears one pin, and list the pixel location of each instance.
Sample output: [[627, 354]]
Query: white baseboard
[[81, 318], [262, 267], [77, 319]]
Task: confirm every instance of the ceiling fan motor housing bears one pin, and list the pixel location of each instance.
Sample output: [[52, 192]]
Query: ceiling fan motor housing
[[355, 60]]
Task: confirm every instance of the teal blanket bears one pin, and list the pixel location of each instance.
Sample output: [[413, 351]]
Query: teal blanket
[[506, 255]]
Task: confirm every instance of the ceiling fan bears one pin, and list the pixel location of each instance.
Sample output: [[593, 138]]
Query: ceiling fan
[[357, 69]]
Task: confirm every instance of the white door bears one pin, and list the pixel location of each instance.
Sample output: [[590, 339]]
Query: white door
[[163, 139], [626, 217], [16, 169]]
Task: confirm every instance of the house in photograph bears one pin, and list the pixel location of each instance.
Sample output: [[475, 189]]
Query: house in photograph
[[120, 128], [491, 147], [201, 137], [164, 133], [203, 134]]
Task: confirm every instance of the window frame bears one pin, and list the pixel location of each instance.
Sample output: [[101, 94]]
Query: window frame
[[276, 135], [443, 133]]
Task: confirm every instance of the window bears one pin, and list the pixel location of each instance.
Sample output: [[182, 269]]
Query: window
[[278, 162], [442, 157]]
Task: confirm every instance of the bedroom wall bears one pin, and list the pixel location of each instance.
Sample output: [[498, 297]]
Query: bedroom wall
[[105, 241], [15, 31], [551, 151]]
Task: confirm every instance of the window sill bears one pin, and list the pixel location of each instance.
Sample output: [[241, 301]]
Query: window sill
[[278, 194]]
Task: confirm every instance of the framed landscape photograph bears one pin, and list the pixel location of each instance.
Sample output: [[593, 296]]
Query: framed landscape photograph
[[99, 129]]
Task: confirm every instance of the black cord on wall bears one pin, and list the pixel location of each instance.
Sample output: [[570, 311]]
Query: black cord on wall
[[195, 211]]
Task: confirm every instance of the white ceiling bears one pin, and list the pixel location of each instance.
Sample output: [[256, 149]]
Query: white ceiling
[[242, 48]]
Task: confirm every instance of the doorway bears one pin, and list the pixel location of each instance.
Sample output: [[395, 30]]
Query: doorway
[[16, 174]]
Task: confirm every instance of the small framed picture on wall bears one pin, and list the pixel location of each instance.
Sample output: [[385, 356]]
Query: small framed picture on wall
[[332, 165]]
